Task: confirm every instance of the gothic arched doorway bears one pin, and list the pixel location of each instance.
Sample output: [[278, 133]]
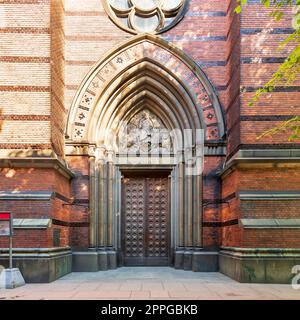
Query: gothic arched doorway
[[142, 118]]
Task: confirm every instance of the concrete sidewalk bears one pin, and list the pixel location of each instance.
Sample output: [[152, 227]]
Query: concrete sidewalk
[[149, 283]]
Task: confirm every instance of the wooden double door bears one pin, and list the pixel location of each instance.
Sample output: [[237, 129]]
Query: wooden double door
[[145, 220]]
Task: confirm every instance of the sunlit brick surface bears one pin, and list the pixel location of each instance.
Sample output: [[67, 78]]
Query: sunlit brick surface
[[46, 50]]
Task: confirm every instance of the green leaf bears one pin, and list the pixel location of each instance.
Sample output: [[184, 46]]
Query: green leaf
[[279, 16], [238, 9]]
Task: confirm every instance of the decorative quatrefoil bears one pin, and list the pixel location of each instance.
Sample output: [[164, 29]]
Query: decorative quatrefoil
[[140, 16]]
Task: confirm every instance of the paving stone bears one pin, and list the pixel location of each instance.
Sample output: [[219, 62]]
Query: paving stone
[[173, 286], [140, 295], [131, 286], [110, 286], [103, 294], [149, 283], [183, 294], [153, 286], [159, 294]]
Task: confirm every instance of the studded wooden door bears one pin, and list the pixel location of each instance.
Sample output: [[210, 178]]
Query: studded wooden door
[[145, 223]]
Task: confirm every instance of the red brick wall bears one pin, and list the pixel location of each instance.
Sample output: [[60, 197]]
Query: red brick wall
[[272, 238], [32, 115], [22, 179], [259, 60], [29, 239], [47, 48], [271, 209], [79, 212], [211, 202], [231, 234], [232, 90], [25, 76], [254, 60], [58, 112], [260, 179], [57, 208]]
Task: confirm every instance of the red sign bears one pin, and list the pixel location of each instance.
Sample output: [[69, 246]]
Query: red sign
[[4, 215], [5, 224]]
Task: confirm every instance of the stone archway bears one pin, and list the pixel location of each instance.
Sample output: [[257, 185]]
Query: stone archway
[[146, 73]]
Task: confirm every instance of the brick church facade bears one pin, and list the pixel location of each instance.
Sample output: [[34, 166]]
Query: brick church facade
[[72, 71]]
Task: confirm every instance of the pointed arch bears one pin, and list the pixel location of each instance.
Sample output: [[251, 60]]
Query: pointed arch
[[145, 68], [145, 73]]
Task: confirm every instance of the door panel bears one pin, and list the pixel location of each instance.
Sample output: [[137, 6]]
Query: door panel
[[145, 220], [134, 219]]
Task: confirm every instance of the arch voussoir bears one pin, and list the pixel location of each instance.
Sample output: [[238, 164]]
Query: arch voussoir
[[152, 58]]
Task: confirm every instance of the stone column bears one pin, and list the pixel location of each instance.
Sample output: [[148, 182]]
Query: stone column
[[101, 198], [93, 207], [110, 198], [197, 211], [179, 187], [188, 239], [173, 209], [180, 193], [111, 253], [202, 261], [117, 209]]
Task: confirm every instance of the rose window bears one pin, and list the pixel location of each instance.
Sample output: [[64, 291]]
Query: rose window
[[139, 16]]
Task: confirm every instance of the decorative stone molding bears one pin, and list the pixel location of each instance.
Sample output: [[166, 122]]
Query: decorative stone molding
[[50, 163], [41, 252], [152, 16], [38, 195], [25, 195], [269, 195], [270, 223], [256, 158], [145, 69], [260, 252], [269, 153], [77, 149], [145, 133], [215, 150], [31, 223]]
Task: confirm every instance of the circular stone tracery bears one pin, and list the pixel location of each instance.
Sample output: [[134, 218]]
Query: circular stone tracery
[[139, 16]]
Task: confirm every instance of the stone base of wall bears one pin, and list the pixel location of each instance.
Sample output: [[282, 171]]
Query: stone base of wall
[[259, 265], [248, 265], [40, 265], [199, 261], [92, 261]]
